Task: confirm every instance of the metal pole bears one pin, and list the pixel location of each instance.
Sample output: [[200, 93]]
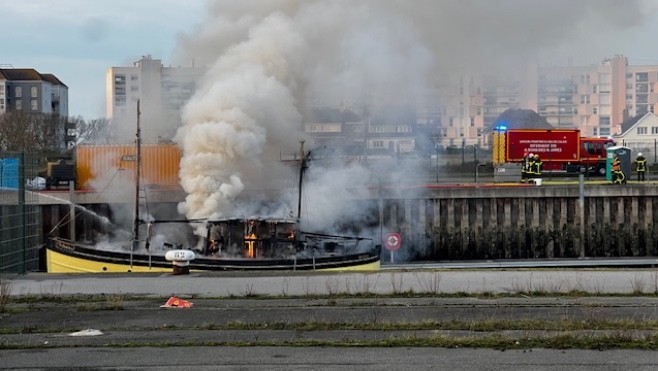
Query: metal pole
[[138, 145], [463, 151], [437, 162], [21, 207], [380, 204], [475, 161], [301, 176], [72, 211], [581, 211]]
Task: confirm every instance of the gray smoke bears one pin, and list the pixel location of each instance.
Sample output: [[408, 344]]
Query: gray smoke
[[269, 60]]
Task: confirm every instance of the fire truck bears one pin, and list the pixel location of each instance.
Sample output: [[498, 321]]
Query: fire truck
[[560, 150]]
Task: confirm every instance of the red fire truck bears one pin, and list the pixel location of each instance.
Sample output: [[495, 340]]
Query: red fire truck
[[560, 150]]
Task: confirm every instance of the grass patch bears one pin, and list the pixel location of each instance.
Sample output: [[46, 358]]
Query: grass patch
[[495, 341], [476, 326]]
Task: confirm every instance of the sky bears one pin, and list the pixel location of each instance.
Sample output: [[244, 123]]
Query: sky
[[77, 40]]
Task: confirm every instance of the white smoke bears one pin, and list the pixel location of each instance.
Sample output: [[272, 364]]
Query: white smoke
[[270, 60]]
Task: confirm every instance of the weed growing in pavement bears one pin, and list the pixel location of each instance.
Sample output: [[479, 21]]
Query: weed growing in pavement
[[637, 284], [396, 284], [431, 284], [5, 292], [115, 302], [249, 291]]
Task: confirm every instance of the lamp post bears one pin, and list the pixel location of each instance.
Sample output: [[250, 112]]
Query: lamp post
[[436, 147]]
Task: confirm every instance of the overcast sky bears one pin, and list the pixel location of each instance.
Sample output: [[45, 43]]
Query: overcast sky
[[77, 40]]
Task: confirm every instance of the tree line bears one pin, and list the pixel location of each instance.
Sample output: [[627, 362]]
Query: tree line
[[47, 134]]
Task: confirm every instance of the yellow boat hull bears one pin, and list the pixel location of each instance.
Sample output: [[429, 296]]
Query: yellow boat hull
[[58, 262]]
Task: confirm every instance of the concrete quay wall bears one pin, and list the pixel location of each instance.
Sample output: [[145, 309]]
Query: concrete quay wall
[[471, 221], [462, 223]]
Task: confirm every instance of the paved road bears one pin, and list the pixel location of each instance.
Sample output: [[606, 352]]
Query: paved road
[[138, 334], [320, 359]]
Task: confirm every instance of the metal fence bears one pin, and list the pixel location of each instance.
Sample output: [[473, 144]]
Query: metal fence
[[20, 215], [648, 148]]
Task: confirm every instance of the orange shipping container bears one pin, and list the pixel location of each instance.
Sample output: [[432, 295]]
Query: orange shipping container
[[101, 166]]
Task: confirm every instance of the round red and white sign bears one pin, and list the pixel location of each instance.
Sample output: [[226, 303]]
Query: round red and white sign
[[392, 241]]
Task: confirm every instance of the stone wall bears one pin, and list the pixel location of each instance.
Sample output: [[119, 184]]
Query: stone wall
[[461, 223]]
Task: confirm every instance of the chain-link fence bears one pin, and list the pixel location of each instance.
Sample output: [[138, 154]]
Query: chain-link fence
[[20, 216]]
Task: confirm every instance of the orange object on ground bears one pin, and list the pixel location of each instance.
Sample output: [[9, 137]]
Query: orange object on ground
[[175, 302]]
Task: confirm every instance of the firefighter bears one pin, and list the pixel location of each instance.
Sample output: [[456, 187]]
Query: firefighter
[[640, 167], [529, 167], [525, 166], [618, 176], [537, 165]]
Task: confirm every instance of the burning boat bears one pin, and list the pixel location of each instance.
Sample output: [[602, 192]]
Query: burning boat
[[237, 243], [231, 244]]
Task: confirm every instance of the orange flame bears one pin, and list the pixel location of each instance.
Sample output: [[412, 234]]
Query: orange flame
[[249, 241]]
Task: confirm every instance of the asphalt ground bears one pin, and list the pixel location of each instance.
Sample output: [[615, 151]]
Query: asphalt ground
[[385, 320]]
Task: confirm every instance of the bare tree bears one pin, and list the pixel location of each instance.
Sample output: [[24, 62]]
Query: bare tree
[[20, 131], [96, 131]]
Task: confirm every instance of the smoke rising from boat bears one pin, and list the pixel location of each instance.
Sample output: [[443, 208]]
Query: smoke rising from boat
[[271, 61]]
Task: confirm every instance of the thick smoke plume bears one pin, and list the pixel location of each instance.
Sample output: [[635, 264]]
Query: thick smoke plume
[[269, 61]]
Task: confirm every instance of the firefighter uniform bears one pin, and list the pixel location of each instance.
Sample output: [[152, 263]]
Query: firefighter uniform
[[525, 170], [618, 176], [536, 167], [640, 167]]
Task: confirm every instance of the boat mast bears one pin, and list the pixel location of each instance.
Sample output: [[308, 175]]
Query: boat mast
[[302, 167], [138, 145]]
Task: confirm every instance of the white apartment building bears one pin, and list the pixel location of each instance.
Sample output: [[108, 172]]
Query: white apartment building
[[162, 93]]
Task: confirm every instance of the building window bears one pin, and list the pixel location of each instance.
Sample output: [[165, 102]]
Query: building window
[[378, 144], [595, 110], [33, 92], [472, 121], [18, 92], [584, 99], [654, 130], [33, 104], [642, 130], [120, 100], [19, 104]]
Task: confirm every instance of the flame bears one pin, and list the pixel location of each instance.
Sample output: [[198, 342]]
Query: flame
[[249, 241]]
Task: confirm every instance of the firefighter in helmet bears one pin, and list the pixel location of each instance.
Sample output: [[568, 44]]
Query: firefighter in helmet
[[640, 167], [538, 166], [618, 176], [525, 169]]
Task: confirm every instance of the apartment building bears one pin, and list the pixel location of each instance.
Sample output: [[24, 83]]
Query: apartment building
[[461, 110], [162, 93], [25, 89], [596, 99]]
